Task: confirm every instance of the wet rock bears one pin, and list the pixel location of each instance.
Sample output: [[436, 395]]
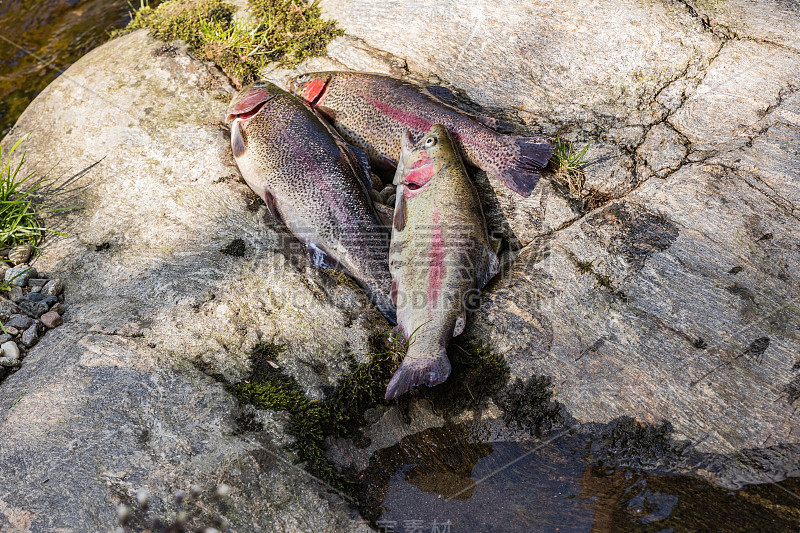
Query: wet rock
[[33, 297], [390, 201], [19, 275], [53, 287], [30, 336], [18, 321], [51, 319], [20, 254], [37, 282]]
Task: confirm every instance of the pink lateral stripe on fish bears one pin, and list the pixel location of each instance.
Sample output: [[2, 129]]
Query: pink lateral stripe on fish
[[373, 111], [443, 232]]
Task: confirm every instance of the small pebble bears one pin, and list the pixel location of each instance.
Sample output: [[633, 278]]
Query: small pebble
[[387, 191], [33, 309], [36, 289], [10, 350], [391, 200], [5, 337], [18, 322], [50, 300], [33, 297], [376, 196], [16, 294], [20, 254], [3, 268], [51, 319], [53, 287], [7, 308], [37, 282], [20, 274], [30, 336], [58, 308], [11, 330]]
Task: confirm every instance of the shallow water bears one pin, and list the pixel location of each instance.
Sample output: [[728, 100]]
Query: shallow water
[[40, 39], [442, 479]]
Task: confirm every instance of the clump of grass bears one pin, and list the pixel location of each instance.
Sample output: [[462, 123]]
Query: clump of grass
[[569, 164], [288, 31], [18, 215]]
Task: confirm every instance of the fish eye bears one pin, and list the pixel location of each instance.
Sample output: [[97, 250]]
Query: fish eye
[[430, 141], [303, 78]]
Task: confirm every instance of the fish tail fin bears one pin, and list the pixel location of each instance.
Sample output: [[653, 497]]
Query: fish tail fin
[[413, 372], [521, 172]]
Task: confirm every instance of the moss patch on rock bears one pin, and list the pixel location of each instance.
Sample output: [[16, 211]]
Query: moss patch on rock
[[288, 31], [339, 415]]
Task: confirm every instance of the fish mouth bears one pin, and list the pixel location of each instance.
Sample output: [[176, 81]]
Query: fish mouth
[[249, 101], [247, 115], [419, 178]]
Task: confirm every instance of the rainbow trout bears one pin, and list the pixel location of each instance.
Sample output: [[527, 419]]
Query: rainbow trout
[[439, 257], [314, 182], [373, 112]]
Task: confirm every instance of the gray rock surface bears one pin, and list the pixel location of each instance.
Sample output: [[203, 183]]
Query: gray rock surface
[[112, 401], [675, 300], [662, 93]]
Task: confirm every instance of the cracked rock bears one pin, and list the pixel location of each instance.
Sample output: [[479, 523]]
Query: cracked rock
[[662, 149]]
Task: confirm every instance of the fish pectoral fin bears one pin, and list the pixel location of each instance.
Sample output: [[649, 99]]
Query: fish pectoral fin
[[361, 164], [326, 112], [319, 257], [461, 322], [385, 214], [399, 221], [487, 269], [238, 140], [272, 207]]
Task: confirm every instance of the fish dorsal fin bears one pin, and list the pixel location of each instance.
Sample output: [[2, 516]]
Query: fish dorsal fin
[[238, 140], [442, 93], [399, 222]]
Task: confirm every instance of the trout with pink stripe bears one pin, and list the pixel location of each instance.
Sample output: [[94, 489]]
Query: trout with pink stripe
[[440, 255], [314, 182], [373, 112]]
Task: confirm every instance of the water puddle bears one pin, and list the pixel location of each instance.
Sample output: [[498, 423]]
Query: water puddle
[[448, 479]]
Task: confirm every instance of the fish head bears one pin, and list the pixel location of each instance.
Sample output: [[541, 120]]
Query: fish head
[[310, 87], [246, 105], [420, 162]]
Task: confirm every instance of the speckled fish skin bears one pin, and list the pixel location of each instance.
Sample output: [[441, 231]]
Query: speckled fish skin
[[311, 179], [373, 112], [440, 255]]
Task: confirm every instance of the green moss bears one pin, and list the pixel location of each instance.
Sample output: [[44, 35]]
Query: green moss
[[288, 31], [181, 19], [477, 373], [529, 405], [603, 280], [340, 415], [584, 266]]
